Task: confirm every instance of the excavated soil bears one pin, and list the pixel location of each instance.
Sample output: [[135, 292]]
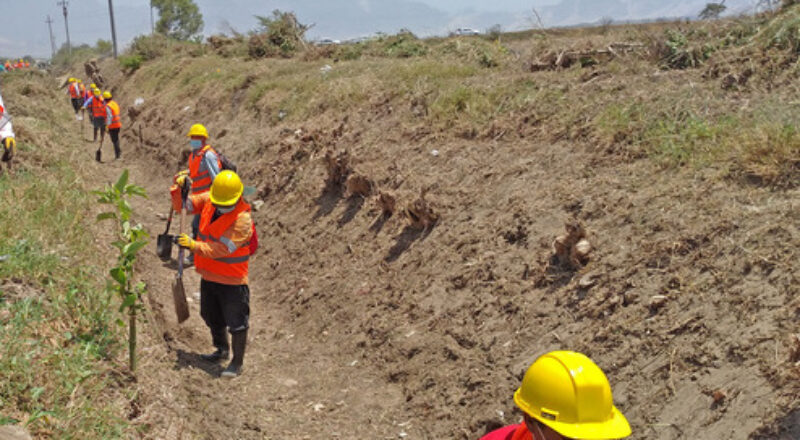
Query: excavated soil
[[375, 324]]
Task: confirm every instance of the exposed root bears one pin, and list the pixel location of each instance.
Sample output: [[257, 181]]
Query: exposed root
[[338, 167], [358, 185], [387, 203], [421, 214], [572, 249]]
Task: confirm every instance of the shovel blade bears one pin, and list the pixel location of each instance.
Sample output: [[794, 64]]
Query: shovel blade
[[179, 298], [164, 247]]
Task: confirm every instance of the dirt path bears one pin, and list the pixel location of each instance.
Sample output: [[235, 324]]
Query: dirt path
[[293, 383]]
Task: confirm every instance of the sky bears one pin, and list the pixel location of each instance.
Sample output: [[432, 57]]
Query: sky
[[25, 32]]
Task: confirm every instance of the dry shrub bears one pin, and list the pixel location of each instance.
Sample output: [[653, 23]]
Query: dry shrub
[[769, 153], [572, 249]]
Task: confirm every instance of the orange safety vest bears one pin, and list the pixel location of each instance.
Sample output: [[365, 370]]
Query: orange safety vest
[[234, 264], [98, 107], [116, 122], [82, 88], [201, 181], [74, 90]]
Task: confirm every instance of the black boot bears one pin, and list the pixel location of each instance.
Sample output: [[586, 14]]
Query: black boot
[[98, 156], [220, 339], [235, 367]]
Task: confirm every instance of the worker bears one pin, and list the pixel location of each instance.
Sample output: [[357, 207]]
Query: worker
[[8, 143], [7, 65], [87, 96], [76, 96], [97, 109], [113, 122], [204, 166], [221, 251], [82, 89], [564, 395]]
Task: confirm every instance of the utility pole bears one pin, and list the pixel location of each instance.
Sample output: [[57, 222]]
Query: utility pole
[[49, 22], [63, 4], [152, 27], [113, 29]]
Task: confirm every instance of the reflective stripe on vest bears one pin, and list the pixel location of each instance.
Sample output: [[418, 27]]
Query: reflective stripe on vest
[[201, 179], [116, 121], [98, 108], [234, 264]]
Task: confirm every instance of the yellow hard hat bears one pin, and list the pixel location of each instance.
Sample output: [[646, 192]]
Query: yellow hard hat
[[72, 80], [198, 130], [93, 85], [107, 94], [96, 91], [226, 188], [569, 393]]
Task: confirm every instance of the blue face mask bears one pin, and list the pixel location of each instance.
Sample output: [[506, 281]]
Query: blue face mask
[[196, 144]]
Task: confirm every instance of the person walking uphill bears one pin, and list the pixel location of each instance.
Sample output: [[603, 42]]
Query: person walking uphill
[[98, 112], [564, 395], [221, 251], [75, 96], [113, 122]]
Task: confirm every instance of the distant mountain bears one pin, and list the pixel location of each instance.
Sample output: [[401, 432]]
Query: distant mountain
[[569, 12]]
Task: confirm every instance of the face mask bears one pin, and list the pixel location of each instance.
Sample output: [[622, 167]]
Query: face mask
[[225, 210], [196, 144]]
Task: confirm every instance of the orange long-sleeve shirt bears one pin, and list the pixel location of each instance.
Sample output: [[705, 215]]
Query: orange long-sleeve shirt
[[237, 235]]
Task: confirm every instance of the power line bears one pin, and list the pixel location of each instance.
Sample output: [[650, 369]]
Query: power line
[[63, 4], [113, 29], [49, 22]]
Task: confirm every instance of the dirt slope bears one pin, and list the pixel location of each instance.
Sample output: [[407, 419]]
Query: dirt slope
[[364, 327]]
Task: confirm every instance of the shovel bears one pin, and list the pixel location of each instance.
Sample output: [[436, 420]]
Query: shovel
[[164, 241], [178, 292]]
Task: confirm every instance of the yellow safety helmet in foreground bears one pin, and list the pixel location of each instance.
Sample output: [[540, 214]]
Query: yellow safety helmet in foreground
[[198, 130], [226, 188], [96, 92], [107, 94], [570, 394]]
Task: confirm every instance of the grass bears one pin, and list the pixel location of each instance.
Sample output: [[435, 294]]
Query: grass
[[58, 326], [679, 118]]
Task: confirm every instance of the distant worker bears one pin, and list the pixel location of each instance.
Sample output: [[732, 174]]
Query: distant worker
[[113, 122], [564, 395], [97, 110], [204, 166], [221, 252], [75, 95], [8, 144], [8, 65]]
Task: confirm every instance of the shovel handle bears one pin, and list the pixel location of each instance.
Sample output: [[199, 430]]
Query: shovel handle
[[184, 200], [169, 219]]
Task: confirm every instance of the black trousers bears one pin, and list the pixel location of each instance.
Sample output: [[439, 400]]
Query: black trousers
[[76, 104], [225, 306], [113, 133]]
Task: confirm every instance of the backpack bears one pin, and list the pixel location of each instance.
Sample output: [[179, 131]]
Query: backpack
[[227, 164]]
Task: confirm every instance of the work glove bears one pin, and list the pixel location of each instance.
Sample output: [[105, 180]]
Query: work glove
[[10, 144], [185, 241], [180, 178]]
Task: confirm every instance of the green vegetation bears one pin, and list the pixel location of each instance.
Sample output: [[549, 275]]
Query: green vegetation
[[56, 326], [178, 19], [131, 239], [58, 371]]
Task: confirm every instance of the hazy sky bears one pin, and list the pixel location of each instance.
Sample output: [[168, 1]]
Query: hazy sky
[[24, 31]]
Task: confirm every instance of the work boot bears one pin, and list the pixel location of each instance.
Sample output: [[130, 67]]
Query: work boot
[[239, 342], [97, 156], [219, 337]]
